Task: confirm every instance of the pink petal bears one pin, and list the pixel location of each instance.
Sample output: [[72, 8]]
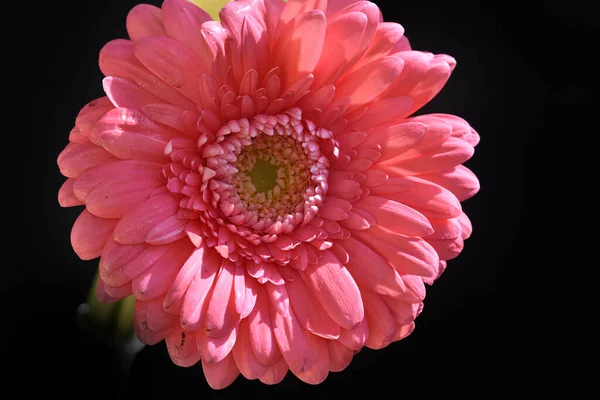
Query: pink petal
[[336, 290], [381, 323], [460, 128], [386, 36], [408, 255], [113, 199], [183, 21], [78, 158], [115, 275], [395, 139], [308, 310], [445, 228], [275, 373], [380, 112], [320, 369], [144, 20], [292, 340], [135, 225], [447, 249], [123, 93], [465, 224], [340, 47], [195, 302], [174, 297], [335, 6], [167, 231], [116, 173], [262, 338], [243, 354], [368, 82], [371, 271], [90, 233], [66, 197], [215, 349], [459, 180], [92, 111], [403, 313], [156, 280], [151, 323], [117, 59], [356, 337], [339, 356], [119, 292], [222, 374], [429, 199], [299, 47], [395, 216], [182, 348], [221, 315], [129, 134], [174, 63], [101, 294], [451, 153]]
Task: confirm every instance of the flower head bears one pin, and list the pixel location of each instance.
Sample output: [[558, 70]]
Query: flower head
[[259, 186]]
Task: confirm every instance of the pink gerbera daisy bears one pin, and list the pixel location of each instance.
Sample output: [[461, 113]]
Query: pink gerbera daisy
[[258, 185]]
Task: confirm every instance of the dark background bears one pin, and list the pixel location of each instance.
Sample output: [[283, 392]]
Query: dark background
[[470, 336]]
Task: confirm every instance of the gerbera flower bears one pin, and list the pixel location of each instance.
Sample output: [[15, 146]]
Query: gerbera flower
[[259, 186]]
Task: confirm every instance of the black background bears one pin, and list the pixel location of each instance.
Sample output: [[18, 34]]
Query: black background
[[470, 336]]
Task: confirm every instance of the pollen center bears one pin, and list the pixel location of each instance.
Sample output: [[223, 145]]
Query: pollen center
[[264, 175], [273, 175]]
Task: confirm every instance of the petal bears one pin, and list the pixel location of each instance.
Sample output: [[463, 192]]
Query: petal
[[174, 63], [336, 290], [113, 199], [215, 349], [382, 327], [408, 255], [222, 315], [262, 337], [451, 153], [90, 233], [299, 47], [195, 302], [395, 216], [115, 275], [156, 280], [66, 197], [275, 373], [308, 310], [183, 22], [135, 225], [368, 82], [340, 47], [118, 59], [339, 356], [144, 20], [77, 158], [320, 369], [116, 173], [371, 271], [123, 93], [243, 354], [428, 198], [174, 297], [129, 134], [356, 337], [222, 374], [459, 180], [292, 340], [386, 36], [182, 348]]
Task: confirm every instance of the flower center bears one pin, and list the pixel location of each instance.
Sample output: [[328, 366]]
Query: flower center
[[273, 175]]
